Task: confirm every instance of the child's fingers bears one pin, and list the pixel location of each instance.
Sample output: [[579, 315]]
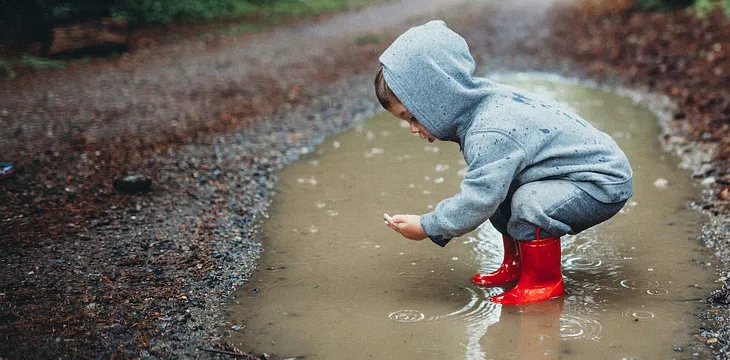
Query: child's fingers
[[392, 226]]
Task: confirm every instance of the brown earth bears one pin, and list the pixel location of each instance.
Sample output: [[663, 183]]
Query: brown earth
[[74, 130], [677, 54]]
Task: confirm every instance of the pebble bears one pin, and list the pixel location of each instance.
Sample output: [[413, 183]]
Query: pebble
[[133, 183]]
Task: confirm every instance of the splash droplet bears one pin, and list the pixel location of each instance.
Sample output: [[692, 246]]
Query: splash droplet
[[661, 183], [311, 180], [441, 168]]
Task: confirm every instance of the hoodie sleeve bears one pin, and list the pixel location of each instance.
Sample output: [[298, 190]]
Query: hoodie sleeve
[[494, 158]]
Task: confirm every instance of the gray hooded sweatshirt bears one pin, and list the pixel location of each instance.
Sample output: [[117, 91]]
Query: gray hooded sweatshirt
[[508, 137]]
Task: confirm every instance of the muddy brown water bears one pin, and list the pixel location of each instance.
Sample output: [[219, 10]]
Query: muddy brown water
[[335, 283]]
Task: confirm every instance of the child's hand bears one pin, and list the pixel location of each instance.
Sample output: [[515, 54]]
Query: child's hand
[[407, 225]]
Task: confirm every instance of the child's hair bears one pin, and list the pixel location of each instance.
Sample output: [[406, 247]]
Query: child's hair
[[382, 90]]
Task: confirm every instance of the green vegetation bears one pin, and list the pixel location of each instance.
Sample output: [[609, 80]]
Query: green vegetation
[[237, 29], [6, 70], [307, 7], [705, 7], [140, 12], [41, 63], [24, 22], [366, 39], [662, 5], [702, 7]]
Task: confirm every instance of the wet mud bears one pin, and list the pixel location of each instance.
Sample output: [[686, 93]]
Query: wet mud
[[333, 280]]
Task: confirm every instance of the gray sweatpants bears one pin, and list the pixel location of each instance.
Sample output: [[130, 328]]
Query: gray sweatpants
[[557, 207]]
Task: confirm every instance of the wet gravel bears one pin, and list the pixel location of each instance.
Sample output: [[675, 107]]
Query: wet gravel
[[92, 272]]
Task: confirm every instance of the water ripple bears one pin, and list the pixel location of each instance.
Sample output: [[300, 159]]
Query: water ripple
[[657, 292], [479, 307], [407, 316], [641, 284], [580, 262], [577, 327], [638, 314]]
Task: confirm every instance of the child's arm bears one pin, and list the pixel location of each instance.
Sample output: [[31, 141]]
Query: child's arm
[[407, 225], [494, 159]]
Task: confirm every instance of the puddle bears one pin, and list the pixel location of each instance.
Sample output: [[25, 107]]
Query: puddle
[[335, 283]]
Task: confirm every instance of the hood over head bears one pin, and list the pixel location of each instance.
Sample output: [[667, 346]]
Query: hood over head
[[431, 71]]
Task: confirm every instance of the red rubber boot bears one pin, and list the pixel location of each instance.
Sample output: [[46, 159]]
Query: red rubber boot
[[541, 278], [510, 269]]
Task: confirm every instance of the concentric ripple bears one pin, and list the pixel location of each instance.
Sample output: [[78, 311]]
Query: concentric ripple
[[407, 316], [657, 292], [478, 307], [639, 284], [638, 314], [580, 262], [576, 327]]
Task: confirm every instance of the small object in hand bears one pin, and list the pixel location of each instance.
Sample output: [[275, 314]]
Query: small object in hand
[[389, 219]]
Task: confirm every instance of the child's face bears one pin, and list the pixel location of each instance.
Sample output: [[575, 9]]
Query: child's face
[[400, 111]]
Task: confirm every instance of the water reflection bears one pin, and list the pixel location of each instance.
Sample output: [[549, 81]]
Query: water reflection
[[529, 331]]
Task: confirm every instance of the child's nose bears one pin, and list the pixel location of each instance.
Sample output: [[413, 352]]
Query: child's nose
[[414, 129]]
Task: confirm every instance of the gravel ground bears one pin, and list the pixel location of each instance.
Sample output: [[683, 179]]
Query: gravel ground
[[89, 272]]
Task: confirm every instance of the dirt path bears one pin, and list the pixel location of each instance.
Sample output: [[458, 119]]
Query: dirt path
[[180, 86]]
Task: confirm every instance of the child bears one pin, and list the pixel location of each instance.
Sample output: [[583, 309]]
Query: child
[[535, 170]]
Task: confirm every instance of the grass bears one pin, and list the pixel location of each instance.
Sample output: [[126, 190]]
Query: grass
[[39, 63], [706, 7], [251, 17], [238, 29], [310, 7], [200, 11], [8, 67], [368, 39], [6, 70]]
